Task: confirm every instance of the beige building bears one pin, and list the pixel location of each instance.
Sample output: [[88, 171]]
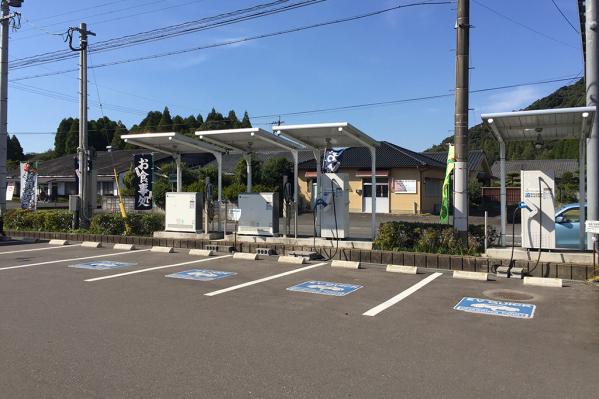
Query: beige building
[[406, 182]]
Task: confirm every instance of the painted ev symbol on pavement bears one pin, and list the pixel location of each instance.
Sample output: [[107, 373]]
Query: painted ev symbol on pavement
[[496, 308], [103, 265], [201, 275], [325, 288]]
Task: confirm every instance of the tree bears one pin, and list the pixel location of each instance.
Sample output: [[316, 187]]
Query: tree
[[61, 136], [273, 171], [117, 143], [232, 121], [14, 149], [72, 139], [240, 172], [245, 122], [166, 122], [214, 121]]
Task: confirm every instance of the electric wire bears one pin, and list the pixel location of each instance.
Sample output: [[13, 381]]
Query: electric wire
[[212, 22], [30, 62], [565, 17], [380, 103], [512, 20]]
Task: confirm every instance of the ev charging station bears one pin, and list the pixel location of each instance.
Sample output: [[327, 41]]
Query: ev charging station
[[538, 188], [258, 213], [538, 209]]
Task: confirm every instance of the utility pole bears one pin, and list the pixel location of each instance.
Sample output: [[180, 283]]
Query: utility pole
[[592, 75], [460, 202], [85, 189], [5, 22]]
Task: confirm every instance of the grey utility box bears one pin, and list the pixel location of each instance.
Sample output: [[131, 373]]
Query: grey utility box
[[183, 212], [259, 214]]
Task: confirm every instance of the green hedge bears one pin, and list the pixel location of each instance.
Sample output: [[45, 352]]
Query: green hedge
[[141, 224], [25, 220], [431, 238]]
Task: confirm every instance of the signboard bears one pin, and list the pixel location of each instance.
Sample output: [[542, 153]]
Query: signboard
[[401, 186], [496, 308], [201, 275], [143, 167], [103, 265], [592, 226], [10, 191], [325, 288], [234, 214], [28, 186]]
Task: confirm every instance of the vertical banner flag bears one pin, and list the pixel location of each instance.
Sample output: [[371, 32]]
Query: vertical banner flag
[[144, 165], [28, 186], [444, 216], [331, 161]]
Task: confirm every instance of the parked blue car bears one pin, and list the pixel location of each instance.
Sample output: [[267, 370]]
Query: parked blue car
[[567, 226]]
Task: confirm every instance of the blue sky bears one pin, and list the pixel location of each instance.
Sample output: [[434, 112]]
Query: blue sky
[[401, 54]]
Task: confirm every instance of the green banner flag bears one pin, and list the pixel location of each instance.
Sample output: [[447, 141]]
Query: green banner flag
[[444, 216]]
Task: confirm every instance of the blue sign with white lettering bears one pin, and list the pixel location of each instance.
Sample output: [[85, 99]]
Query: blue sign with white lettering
[[496, 308], [103, 265], [325, 288], [201, 275]]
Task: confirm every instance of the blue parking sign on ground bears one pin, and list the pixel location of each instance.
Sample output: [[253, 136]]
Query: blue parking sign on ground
[[496, 308], [325, 288], [103, 265], [201, 275]]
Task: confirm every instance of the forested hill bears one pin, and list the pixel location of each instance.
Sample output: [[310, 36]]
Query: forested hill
[[480, 138]]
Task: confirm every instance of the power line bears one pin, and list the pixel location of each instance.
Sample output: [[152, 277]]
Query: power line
[[212, 22], [408, 100], [378, 103], [114, 19], [564, 16], [546, 36], [79, 10], [243, 40]]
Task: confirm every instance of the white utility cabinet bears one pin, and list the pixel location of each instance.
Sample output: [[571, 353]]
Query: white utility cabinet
[[538, 223], [335, 185], [259, 214], [183, 212]]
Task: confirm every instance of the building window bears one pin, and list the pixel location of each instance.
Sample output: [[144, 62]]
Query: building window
[[433, 187]]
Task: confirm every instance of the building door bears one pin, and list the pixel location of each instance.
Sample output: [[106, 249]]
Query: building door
[[382, 195]]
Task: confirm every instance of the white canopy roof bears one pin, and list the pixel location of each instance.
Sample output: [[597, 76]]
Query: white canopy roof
[[247, 140], [550, 124], [170, 143], [323, 135]]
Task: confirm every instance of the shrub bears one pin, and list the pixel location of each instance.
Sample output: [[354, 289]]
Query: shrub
[[430, 237], [26, 220], [141, 224]]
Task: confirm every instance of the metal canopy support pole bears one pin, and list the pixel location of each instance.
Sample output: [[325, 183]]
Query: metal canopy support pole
[[502, 192], [373, 192], [219, 161], [316, 153], [179, 173], [592, 91], [248, 165], [582, 191], [295, 190]]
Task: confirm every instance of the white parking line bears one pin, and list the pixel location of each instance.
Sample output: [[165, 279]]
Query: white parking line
[[39, 249], [71, 259], [236, 287], [155, 268], [402, 295]]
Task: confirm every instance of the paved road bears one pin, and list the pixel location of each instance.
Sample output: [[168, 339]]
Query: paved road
[[133, 333]]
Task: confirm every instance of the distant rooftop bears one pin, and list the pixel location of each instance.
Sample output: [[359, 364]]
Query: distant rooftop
[[559, 166]]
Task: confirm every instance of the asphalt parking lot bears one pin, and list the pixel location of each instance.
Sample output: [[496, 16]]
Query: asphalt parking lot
[[132, 332]]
